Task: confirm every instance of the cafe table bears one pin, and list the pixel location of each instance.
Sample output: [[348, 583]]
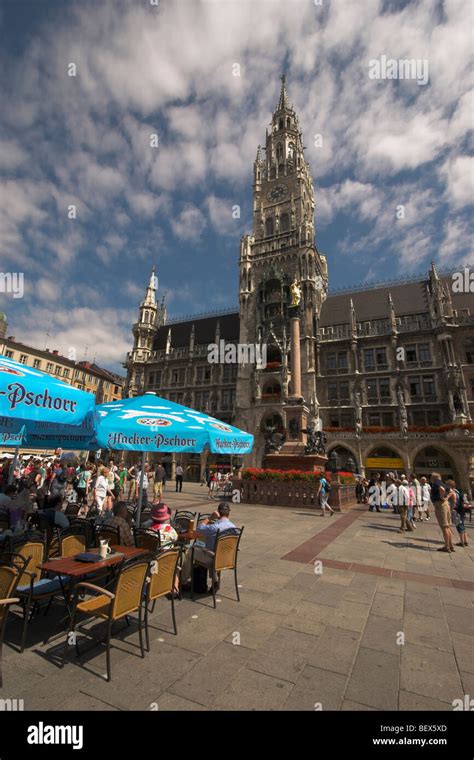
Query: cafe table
[[75, 570]]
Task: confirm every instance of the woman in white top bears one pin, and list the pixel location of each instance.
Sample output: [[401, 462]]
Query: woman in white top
[[424, 507]]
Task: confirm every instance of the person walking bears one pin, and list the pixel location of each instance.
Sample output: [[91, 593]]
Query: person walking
[[458, 512], [424, 507], [403, 502], [158, 478], [179, 478], [374, 489], [439, 493], [323, 495]]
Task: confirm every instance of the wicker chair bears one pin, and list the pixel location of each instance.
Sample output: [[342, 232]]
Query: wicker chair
[[111, 606], [72, 541], [146, 539], [161, 582], [224, 557], [86, 525], [33, 588], [183, 521], [104, 532], [10, 574]]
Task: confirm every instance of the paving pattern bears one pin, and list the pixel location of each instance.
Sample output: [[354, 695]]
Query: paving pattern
[[340, 613]]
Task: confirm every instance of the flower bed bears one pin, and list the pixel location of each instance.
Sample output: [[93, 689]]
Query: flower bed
[[255, 473]]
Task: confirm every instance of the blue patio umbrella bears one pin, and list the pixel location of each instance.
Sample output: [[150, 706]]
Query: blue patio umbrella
[[39, 410], [30, 395], [149, 423], [46, 435]]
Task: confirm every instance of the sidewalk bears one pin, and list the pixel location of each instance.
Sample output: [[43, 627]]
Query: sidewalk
[[385, 622]]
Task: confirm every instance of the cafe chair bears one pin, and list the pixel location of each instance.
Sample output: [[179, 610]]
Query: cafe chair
[[33, 586], [10, 573], [86, 524], [204, 516], [72, 540], [127, 597], [183, 521], [104, 532], [4, 519], [72, 509], [147, 539], [224, 557], [160, 582]]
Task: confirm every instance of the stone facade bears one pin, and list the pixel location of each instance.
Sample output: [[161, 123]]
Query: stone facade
[[388, 370]]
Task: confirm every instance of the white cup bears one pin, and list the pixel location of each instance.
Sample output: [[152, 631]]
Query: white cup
[[104, 549]]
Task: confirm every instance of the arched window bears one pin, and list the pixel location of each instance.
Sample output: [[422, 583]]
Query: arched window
[[269, 227], [285, 223], [281, 168], [146, 317], [288, 122], [280, 125], [279, 151]]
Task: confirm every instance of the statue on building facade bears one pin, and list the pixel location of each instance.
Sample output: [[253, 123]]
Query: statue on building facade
[[316, 441], [273, 440], [295, 291]]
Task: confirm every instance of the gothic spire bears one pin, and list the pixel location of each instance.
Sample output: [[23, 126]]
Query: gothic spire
[[150, 299], [283, 103]]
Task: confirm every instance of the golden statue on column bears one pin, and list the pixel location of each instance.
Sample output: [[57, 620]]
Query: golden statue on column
[[295, 291]]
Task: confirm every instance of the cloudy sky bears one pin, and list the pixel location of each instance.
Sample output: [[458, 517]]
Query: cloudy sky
[[168, 69]]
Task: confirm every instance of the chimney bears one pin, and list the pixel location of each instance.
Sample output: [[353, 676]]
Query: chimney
[[12, 338], [56, 353]]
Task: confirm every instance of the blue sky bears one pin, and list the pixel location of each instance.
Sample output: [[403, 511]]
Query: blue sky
[[169, 70]]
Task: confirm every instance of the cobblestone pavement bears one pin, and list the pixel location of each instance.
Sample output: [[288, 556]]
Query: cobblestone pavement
[[340, 613]]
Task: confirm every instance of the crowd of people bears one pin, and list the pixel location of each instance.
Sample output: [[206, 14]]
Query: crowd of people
[[105, 491], [414, 500]]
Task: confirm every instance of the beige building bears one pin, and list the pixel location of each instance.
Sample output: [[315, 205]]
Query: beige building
[[105, 385], [388, 370]]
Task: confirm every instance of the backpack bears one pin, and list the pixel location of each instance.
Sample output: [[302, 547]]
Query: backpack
[[200, 579]]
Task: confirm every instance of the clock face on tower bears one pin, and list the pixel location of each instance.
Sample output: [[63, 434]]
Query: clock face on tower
[[277, 193]]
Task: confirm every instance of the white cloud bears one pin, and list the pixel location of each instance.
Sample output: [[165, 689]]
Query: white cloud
[[189, 224], [459, 175]]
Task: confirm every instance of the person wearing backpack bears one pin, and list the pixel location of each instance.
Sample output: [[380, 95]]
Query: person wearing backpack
[[458, 512], [323, 494]]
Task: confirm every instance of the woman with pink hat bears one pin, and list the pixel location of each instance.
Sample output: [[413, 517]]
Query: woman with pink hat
[[161, 522]]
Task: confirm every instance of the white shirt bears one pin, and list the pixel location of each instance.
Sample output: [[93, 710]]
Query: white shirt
[[426, 490], [101, 486], [179, 470], [138, 477]]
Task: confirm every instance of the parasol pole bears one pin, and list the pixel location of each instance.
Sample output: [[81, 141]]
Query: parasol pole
[[140, 493], [13, 466]]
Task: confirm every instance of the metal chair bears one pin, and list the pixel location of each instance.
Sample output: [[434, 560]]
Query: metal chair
[[183, 521], [108, 533], [160, 583], [223, 557], [10, 573], [127, 597], [146, 539], [33, 587], [72, 540]]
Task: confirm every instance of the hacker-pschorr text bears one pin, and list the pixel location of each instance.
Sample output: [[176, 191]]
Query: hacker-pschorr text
[[46, 734]]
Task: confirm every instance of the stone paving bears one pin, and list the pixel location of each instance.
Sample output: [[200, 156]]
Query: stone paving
[[298, 640]]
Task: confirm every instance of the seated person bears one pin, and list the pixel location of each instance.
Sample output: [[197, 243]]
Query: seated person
[[54, 512], [8, 501], [119, 520], [207, 532], [7, 496], [161, 523]]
